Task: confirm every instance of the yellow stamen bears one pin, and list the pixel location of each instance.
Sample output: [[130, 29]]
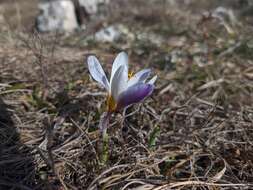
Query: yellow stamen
[[130, 74], [111, 104]]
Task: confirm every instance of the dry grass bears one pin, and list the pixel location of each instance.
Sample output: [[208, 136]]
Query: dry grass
[[195, 132]]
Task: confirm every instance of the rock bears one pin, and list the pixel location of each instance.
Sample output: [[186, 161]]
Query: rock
[[151, 38], [109, 34], [57, 15], [3, 23], [92, 6], [2, 20]]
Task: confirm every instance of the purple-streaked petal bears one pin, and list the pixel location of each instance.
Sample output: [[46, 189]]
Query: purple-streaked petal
[[134, 94], [119, 82], [97, 71], [140, 76], [121, 59]]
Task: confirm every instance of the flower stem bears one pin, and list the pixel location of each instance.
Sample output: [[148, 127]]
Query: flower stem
[[105, 149], [103, 125]]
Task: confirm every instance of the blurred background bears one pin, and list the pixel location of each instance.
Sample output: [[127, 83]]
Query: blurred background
[[69, 15]]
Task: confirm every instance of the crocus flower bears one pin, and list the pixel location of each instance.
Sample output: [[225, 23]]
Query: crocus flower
[[124, 88]]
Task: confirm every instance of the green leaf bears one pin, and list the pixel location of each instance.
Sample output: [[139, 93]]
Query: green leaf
[[153, 137]]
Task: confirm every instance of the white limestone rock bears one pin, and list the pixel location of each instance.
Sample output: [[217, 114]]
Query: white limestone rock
[[92, 6], [109, 34], [57, 15]]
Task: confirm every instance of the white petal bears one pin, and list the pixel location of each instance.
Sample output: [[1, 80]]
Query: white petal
[[121, 59], [97, 71], [140, 76], [119, 82], [152, 81]]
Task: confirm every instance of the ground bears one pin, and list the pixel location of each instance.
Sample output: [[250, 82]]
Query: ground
[[193, 132]]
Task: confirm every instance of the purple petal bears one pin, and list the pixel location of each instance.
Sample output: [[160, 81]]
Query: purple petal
[[141, 76], [134, 94]]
